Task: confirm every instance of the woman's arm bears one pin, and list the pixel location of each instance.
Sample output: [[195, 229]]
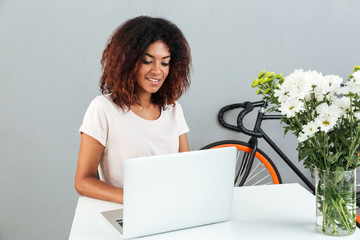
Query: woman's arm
[[86, 183], [183, 143]]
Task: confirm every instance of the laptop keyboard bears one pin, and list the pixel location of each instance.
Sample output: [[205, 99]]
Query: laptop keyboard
[[120, 222]]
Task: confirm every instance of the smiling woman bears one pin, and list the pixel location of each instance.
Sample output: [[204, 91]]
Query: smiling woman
[[146, 66]]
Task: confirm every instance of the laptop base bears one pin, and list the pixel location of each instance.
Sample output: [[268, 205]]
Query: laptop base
[[115, 219]]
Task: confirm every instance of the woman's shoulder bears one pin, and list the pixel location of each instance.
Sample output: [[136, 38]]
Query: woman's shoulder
[[102, 104], [102, 101]]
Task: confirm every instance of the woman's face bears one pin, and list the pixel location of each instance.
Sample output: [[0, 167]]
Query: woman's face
[[154, 68]]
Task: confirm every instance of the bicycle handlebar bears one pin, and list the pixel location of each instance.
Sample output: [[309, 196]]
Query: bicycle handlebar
[[222, 112], [248, 107]]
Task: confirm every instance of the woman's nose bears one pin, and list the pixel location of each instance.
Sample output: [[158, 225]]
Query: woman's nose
[[156, 68]]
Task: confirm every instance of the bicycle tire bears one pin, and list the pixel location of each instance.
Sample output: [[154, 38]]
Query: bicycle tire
[[263, 171]]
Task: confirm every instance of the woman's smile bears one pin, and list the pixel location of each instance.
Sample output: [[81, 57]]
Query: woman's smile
[[154, 81]]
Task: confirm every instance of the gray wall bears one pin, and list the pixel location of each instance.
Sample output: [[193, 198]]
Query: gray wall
[[49, 71]]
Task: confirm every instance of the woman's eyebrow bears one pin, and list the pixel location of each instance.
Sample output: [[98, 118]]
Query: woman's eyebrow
[[147, 54]]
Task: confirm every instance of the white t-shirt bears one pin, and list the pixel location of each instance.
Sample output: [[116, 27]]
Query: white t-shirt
[[126, 135]]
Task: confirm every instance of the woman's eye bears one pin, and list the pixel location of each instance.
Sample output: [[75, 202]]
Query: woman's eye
[[146, 62], [165, 64]]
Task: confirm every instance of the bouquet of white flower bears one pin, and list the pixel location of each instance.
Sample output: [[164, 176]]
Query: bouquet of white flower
[[324, 115]]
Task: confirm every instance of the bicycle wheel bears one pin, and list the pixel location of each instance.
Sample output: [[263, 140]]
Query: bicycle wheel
[[263, 170]]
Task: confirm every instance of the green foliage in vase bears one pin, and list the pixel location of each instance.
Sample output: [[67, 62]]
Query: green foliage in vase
[[335, 202]]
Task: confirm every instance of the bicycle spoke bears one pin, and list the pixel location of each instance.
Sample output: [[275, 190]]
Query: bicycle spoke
[[241, 170], [259, 174], [252, 172], [260, 180], [244, 161]]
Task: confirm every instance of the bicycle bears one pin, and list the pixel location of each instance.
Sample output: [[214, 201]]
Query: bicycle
[[254, 167]]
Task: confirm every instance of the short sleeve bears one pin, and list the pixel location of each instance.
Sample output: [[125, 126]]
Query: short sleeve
[[183, 127], [95, 122]]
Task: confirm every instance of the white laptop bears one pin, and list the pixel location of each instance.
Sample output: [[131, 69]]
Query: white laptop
[[175, 191]]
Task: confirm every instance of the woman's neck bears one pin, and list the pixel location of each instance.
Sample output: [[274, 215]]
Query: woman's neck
[[144, 99], [145, 108]]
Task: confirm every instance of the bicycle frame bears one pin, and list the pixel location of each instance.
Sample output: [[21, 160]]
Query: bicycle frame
[[282, 154], [256, 133]]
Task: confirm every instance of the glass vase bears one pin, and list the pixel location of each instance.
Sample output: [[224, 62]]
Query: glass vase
[[335, 202]]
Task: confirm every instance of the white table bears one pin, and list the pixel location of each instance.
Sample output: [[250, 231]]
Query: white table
[[285, 211]]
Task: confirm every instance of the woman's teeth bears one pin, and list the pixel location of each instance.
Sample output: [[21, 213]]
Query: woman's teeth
[[153, 80]]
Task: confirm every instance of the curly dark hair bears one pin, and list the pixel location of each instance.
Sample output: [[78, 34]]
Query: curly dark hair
[[122, 57]]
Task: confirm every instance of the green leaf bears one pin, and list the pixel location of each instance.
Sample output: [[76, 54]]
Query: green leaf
[[343, 139]]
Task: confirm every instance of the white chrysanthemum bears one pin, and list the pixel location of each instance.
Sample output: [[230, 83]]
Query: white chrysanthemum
[[302, 137], [344, 90], [356, 75], [343, 104], [351, 87], [328, 116], [334, 82], [290, 107], [296, 85], [310, 129], [326, 122], [280, 94], [320, 85], [325, 110]]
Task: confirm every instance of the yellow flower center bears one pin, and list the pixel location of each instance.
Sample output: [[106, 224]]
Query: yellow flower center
[[326, 123], [291, 108]]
